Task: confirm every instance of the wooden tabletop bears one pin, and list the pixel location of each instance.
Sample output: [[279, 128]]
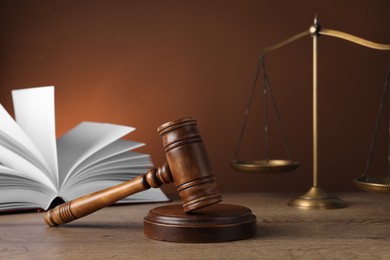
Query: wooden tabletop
[[360, 231]]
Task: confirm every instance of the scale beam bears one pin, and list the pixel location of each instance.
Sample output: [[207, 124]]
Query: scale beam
[[287, 41], [355, 39], [333, 33]]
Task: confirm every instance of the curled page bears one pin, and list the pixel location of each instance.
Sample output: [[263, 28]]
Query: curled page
[[83, 141], [13, 136], [112, 150], [34, 113]]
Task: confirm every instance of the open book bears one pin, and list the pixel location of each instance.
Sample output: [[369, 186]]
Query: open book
[[36, 169]]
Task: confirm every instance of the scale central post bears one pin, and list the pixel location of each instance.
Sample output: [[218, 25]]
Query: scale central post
[[316, 197], [314, 31]]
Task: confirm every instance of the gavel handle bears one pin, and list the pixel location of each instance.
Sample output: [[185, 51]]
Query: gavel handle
[[90, 203]]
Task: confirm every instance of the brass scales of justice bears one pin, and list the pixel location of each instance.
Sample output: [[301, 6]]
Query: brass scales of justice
[[316, 197]]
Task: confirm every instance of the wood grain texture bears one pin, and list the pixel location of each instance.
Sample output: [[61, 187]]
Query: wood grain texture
[[360, 231]]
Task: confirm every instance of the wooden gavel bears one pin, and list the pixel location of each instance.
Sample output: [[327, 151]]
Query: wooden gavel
[[187, 166]]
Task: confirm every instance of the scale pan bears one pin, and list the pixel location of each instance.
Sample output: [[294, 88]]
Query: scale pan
[[371, 184], [263, 166]]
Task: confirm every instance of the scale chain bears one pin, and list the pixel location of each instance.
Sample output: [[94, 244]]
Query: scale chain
[[248, 106], [276, 110], [266, 92]]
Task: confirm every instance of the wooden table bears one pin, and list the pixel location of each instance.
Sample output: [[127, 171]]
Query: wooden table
[[361, 231]]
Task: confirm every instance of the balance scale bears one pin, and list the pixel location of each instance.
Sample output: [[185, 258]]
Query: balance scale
[[316, 197]]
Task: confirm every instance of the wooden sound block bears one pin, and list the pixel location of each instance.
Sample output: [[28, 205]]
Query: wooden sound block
[[216, 223]]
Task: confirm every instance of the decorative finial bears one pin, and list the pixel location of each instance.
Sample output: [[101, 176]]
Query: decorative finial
[[315, 28]]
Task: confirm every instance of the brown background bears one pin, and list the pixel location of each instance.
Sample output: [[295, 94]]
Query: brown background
[[143, 63]]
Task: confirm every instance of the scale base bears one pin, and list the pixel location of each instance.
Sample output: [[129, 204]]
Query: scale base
[[216, 223], [317, 198]]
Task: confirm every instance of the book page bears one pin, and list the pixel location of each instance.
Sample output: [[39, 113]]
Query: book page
[[112, 150], [35, 114], [7, 142], [123, 167], [129, 159], [83, 141], [12, 179], [24, 168], [22, 195], [13, 136]]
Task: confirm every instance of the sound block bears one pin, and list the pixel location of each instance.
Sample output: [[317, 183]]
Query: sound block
[[216, 223]]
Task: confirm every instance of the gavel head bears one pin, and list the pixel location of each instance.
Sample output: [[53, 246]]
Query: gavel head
[[189, 164]]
